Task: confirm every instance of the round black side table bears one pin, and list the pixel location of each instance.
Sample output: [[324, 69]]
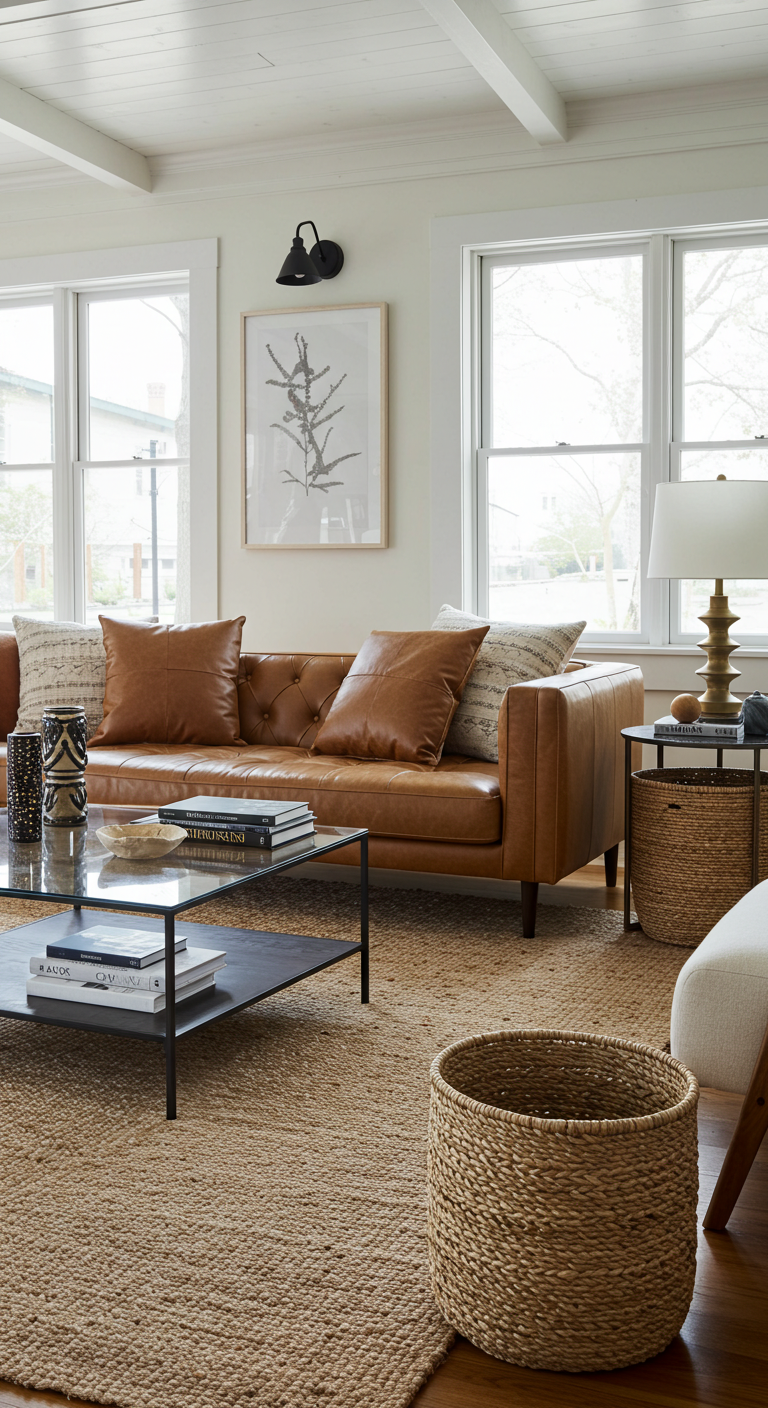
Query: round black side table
[[643, 733]]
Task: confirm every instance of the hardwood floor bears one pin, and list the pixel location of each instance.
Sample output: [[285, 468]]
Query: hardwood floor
[[720, 1359]]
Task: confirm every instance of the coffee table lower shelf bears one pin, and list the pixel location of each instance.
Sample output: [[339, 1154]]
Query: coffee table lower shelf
[[259, 964]]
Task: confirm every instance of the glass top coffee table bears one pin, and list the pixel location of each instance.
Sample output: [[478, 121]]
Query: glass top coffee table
[[71, 867]]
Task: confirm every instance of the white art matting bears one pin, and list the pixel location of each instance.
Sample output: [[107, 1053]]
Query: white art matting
[[314, 428]]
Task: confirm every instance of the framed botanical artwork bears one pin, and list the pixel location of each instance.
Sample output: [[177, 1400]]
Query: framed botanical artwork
[[314, 413]]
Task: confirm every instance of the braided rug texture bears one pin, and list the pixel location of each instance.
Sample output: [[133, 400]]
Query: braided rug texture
[[268, 1249]]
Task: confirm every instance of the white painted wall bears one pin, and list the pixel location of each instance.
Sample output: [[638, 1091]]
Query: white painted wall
[[321, 600]]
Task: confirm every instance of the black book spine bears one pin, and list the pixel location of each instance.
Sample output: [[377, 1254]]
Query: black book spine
[[227, 836], [112, 960], [239, 836]]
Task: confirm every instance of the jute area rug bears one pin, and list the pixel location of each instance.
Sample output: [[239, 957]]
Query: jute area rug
[[267, 1250]]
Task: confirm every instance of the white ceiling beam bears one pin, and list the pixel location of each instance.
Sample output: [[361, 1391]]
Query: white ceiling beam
[[49, 130], [483, 36]]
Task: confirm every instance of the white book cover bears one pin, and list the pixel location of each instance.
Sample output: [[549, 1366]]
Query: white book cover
[[98, 995], [701, 728], [238, 807], [192, 963]]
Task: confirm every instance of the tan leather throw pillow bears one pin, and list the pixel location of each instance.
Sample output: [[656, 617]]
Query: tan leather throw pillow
[[399, 697], [170, 684]]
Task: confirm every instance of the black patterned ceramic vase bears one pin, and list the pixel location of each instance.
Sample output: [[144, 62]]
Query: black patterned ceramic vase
[[64, 758], [25, 787]]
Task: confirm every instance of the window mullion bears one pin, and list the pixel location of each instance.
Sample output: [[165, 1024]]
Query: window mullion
[[64, 536], [481, 512], [659, 403]]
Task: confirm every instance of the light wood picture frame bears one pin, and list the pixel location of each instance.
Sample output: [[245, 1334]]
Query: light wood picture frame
[[314, 427]]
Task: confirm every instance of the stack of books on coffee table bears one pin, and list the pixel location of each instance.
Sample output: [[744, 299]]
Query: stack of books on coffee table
[[109, 967], [231, 821]]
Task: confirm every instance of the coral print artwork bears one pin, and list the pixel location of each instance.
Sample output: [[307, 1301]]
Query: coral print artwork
[[314, 428]]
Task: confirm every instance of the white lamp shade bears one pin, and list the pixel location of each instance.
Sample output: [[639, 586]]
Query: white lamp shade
[[710, 528]]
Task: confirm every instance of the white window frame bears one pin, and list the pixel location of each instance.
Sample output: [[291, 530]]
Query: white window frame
[[111, 272], [483, 451], [678, 443], [458, 244]]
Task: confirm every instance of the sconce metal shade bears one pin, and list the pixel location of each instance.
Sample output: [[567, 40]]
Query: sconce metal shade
[[325, 260], [298, 268]]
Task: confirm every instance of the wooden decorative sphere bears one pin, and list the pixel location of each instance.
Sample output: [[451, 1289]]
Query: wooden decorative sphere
[[685, 708]]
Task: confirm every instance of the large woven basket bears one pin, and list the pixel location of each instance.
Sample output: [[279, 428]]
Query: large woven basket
[[562, 1197], [692, 847]]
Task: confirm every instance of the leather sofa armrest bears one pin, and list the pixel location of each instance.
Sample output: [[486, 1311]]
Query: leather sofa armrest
[[561, 768], [9, 683]]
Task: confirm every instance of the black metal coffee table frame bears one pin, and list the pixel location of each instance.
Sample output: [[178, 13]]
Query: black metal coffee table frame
[[259, 964], [643, 733]]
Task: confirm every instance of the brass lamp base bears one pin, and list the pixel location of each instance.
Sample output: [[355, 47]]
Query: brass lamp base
[[718, 672]]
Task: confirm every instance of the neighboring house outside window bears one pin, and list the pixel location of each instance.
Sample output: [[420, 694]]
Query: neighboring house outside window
[[108, 481], [122, 578]]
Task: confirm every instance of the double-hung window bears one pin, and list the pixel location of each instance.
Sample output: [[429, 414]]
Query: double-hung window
[[108, 481], [606, 367]]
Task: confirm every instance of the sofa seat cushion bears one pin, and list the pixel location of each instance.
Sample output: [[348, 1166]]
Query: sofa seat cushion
[[459, 800]]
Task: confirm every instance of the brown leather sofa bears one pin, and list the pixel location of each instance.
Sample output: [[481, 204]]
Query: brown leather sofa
[[552, 804]]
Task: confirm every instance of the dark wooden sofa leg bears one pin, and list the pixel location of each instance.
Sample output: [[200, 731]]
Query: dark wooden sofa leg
[[530, 897], [611, 859]]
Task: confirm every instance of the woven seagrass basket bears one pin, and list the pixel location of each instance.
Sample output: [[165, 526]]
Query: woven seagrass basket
[[692, 848], [562, 1197]]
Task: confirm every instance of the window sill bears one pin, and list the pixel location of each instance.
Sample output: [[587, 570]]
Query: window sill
[[672, 668]]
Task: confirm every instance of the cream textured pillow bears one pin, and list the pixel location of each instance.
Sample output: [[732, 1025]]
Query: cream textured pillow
[[509, 655], [61, 662]]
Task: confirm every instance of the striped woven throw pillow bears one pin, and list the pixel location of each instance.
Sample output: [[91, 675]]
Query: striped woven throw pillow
[[61, 662], [510, 654]]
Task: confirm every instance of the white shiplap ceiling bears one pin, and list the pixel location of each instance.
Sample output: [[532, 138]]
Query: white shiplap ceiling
[[179, 76]]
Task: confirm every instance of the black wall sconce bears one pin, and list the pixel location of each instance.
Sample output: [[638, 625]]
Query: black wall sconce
[[324, 261]]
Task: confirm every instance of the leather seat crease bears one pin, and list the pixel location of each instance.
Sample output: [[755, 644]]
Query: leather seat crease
[[459, 800]]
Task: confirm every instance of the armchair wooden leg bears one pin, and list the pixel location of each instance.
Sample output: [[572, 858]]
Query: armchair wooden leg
[[530, 898], [611, 859], [747, 1138]]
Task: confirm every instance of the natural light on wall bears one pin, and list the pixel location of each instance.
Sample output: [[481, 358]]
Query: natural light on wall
[[564, 344]]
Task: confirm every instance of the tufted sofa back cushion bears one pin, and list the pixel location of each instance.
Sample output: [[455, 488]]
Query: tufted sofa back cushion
[[283, 699]]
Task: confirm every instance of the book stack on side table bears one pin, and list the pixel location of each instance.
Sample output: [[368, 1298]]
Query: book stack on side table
[[725, 730], [231, 821], [109, 967]]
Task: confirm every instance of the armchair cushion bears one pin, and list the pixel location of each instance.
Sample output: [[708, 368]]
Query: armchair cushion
[[720, 1006]]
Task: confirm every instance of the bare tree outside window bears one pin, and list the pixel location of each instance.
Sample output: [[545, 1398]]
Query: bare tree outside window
[[567, 343], [567, 372]]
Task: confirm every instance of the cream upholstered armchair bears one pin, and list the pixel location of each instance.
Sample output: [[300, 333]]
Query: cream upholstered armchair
[[720, 1031]]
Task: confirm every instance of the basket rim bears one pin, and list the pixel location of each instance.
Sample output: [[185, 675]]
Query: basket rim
[[663, 778], [602, 1128]]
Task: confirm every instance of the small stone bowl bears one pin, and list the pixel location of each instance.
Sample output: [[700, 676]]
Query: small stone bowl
[[141, 841]]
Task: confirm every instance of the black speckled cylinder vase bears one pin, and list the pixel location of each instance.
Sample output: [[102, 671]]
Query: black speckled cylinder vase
[[25, 787], [65, 801]]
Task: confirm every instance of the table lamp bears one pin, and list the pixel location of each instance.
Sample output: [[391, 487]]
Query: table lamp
[[712, 528]]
